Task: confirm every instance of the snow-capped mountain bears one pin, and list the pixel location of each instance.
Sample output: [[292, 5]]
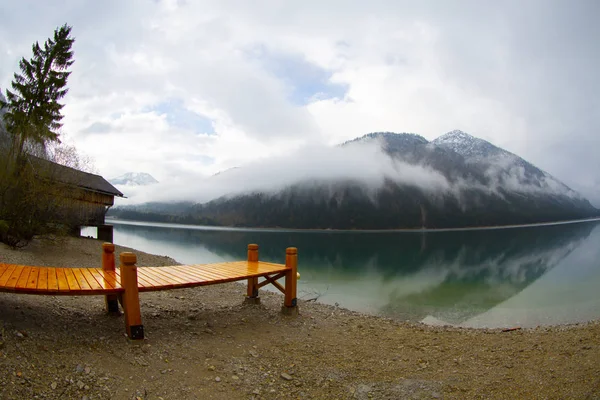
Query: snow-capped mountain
[[457, 180], [134, 179], [502, 167], [470, 147]]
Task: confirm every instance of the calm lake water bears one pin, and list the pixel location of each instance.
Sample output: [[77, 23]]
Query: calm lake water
[[523, 276]]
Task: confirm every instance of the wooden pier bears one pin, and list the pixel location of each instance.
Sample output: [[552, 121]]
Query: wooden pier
[[123, 285]]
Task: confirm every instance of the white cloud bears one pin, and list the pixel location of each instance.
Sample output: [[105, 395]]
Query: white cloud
[[522, 75], [364, 163]]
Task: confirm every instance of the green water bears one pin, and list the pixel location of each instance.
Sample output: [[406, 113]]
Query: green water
[[524, 276]]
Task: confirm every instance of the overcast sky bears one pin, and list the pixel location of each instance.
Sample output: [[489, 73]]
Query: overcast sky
[[176, 88]]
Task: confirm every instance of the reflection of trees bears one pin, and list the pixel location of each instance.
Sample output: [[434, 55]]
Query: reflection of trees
[[472, 270]]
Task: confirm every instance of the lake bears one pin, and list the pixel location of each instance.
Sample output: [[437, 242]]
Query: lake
[[525, 276]]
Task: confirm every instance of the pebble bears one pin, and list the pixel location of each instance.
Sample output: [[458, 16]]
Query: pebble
[[80, 384], [285, 376], [217, 379], [53, 385], [211, 368]]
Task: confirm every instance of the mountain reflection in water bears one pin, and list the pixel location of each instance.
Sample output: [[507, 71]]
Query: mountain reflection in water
[[492, 277]]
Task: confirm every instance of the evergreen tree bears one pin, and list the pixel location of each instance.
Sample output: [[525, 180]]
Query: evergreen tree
[[33, 110]]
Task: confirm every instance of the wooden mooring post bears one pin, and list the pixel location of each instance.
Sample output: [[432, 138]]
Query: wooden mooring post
[[130, 297], [290, 304], [108, 265], [252, 293]]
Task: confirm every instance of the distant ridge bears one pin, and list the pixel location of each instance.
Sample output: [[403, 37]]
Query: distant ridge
[[134, 179], [454, 181]]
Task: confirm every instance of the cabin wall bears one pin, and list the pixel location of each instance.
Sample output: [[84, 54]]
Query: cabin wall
[[80, 207]]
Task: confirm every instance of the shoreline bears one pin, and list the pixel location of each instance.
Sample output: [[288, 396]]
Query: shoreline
[[299, 230], [204, 343]]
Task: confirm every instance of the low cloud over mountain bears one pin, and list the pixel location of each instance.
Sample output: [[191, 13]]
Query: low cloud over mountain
[[381, 180]]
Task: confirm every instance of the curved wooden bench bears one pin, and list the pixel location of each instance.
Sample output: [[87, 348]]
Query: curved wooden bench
[[123, 284]]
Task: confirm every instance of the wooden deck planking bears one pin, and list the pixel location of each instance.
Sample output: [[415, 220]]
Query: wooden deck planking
[[23, 278], [42, 282], [184, 277], [82, 281], [71, 280], [224, 270], [8, 270], [14, 277], [246, 268], [62, 279], [52, 280], [189, 275], [107, 280], [197, 274], [144, 281], [32, 280], [166, 275], [94, 285], [156, 280]]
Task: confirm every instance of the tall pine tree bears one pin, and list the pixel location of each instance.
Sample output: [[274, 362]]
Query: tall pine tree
[[33, 110]]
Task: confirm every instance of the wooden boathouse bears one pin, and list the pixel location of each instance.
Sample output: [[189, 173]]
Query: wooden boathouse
[[85, 198]]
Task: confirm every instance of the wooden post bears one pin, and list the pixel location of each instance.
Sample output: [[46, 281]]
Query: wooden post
[[108, 265], [252, 294], [131, 298], [290, 304]]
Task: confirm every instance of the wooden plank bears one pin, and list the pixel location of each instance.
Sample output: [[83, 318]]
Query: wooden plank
[[157, 281], [93, 284], [197, 275], [63, 284], [250, 268], [32, 281], [242, 269], [71, 279], [236, 270], [110, 277], [42, 283], [225, 270], [204, 277], [23, 278], [160, 275], [165, 274], [81, 281], [105, 280], [14, 277], [181, 277], [171, 274], [200, 274], [3, 267], [142, 282], [52, 281], [6, 274]]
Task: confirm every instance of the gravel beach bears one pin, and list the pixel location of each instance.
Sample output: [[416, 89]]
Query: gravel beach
[[204, 343]]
